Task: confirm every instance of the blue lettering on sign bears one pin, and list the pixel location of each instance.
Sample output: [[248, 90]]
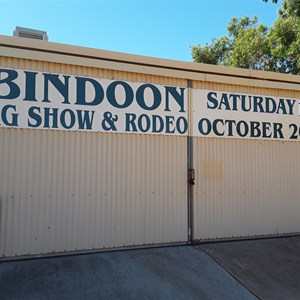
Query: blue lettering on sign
[[61, 87], [31, 99], [30, 88], [14, 90], [243, 129], [35, 119], [159, 124], [56, 97], [81, 85], [111, 94], [178, 97], [140, 96], [249, 103], [61, 84], [53, 118], [9, 116]]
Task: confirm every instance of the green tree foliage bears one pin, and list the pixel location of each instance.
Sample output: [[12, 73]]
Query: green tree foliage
[[255, 46], [289, 7]]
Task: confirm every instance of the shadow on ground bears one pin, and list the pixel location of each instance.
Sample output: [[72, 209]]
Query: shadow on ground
[[269, 269]]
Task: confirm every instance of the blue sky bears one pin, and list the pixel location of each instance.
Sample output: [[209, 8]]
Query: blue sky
[[156, 28]]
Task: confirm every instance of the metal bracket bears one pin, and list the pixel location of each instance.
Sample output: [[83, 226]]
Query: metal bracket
[[191, 176]]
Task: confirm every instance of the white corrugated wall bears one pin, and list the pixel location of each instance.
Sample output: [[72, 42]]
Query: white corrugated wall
[[67, 191], [245, 188]]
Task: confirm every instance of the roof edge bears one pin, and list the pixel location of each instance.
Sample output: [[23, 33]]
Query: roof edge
[[58, 48]]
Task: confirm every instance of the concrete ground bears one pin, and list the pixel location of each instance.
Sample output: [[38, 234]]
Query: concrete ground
[[257, 269], [269, 268]]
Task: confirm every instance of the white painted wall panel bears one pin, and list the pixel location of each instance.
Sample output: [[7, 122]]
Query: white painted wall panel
[[67, 191], [245, 188]]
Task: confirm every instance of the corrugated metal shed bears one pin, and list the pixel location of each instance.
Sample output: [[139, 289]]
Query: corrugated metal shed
[[65, 191]]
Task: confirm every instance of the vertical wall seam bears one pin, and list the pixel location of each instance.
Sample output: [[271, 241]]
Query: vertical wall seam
[[190, 202]]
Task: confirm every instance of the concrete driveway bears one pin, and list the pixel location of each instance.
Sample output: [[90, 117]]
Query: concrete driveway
[[269, 268], [261, 269]]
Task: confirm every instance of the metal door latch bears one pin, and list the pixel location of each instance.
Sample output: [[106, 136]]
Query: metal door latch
[[191, 176]]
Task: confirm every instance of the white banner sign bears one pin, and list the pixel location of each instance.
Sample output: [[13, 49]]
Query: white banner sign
[[239, 115], [40, 100]]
